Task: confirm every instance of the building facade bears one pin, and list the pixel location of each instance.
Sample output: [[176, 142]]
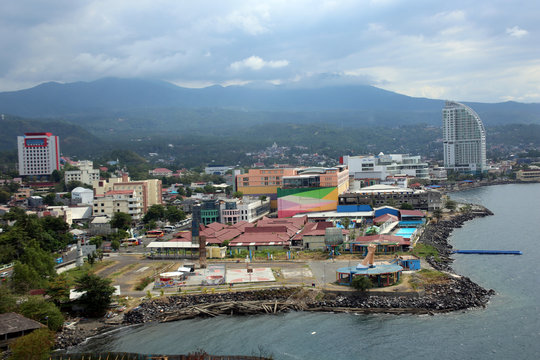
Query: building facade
[[248, 209], [149, 191], [380, 195], [532, 174], [312, 190], [464, 139], [113, 201], [86, 173], [263, 182], [382, 166], [39, 154]]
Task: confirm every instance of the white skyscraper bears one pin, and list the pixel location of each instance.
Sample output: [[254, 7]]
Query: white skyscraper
[[464, 139], [39, 153]]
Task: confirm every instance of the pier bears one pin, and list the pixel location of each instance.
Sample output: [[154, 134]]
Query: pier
[[489, 252]]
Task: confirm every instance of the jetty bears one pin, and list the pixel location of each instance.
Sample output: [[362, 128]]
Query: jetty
[[489, 252]]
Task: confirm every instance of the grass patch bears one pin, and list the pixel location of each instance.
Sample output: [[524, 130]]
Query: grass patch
[[144, 283], [423, 251], [77, 272], [425, 277]]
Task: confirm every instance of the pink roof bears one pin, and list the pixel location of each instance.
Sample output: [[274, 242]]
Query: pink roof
[[119, 192], [411, 213], [162, 170], [260, 239], [215, 226], [382, 239], [315, 229], [384, 218]]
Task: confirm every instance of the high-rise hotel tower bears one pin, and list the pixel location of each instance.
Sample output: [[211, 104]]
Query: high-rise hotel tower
[[39, 153], [464, 139]]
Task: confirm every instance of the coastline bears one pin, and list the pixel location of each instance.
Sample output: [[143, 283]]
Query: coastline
[[456, 294]]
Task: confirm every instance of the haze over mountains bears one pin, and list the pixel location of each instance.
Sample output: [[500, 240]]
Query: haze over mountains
[[360, 104]]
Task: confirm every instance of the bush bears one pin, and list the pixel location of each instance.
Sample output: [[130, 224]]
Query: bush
[[36, 345], [361, 283], [45, 312]]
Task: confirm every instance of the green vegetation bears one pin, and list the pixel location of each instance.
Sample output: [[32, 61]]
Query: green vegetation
[[35, 346], [98, 294], [425, 277], [121, 220], [37, 308], [423, 251], [361, 283], [144, 283]]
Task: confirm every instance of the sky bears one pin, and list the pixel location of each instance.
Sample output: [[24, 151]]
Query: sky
[[484, 50]]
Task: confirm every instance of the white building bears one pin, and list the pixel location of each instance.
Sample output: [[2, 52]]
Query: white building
[[217, 169], [39, 153], [86, 173], [113, 201], [248, 209], [464, 139], [381, 166], [81, 195]]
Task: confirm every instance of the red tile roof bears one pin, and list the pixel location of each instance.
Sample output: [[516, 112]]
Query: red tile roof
[[260, 239], [411, 213]]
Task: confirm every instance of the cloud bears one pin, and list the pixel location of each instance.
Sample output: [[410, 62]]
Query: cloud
[[516, 31], [257, 63]]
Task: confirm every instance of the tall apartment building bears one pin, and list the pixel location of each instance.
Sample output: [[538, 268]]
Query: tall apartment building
[[86, 173], [381, 166], [149, 190], [113, 201], [464, 139], [39, 153]]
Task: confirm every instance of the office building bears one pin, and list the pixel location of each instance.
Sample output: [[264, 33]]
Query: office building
[[85, 174], [379, 167], [464, 139], [39, 154]]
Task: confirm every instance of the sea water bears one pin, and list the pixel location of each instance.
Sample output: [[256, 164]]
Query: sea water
[[509, 328]]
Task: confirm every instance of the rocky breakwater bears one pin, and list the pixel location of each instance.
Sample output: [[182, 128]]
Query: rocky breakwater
[[455, 293], [72, 336], [436, 235]]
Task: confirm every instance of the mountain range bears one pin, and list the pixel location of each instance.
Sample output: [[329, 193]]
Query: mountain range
[[360, 104]]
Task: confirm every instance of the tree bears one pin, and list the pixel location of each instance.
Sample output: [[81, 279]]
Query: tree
[[450, 204], [25, 278], [97, 296], [121, 220], [45, 312], [238, 194], [262, 198], [174, 215], [437, 214], [96, 240], [8, 302], [189, 192], [208, 189], [58, 289], [49, 199], [115, 244], [56, 176], [4, 197], [35, 346], [406, 206], [156, 212], [346, 222], [361, 283]]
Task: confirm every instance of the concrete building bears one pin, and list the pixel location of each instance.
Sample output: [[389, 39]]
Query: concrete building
[[39, 154], [113, 201], [379, 195], [149, 191], [248, 209], [161, 172], [265, 182], [464, 139], [382, 166], [531, 174], [217, 169], [86, 173], [81, 195], [312, 190]]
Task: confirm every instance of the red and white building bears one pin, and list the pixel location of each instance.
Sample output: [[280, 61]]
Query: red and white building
[[39, 153]]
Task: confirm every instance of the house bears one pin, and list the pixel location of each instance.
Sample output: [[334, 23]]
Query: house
[[13, 326]]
